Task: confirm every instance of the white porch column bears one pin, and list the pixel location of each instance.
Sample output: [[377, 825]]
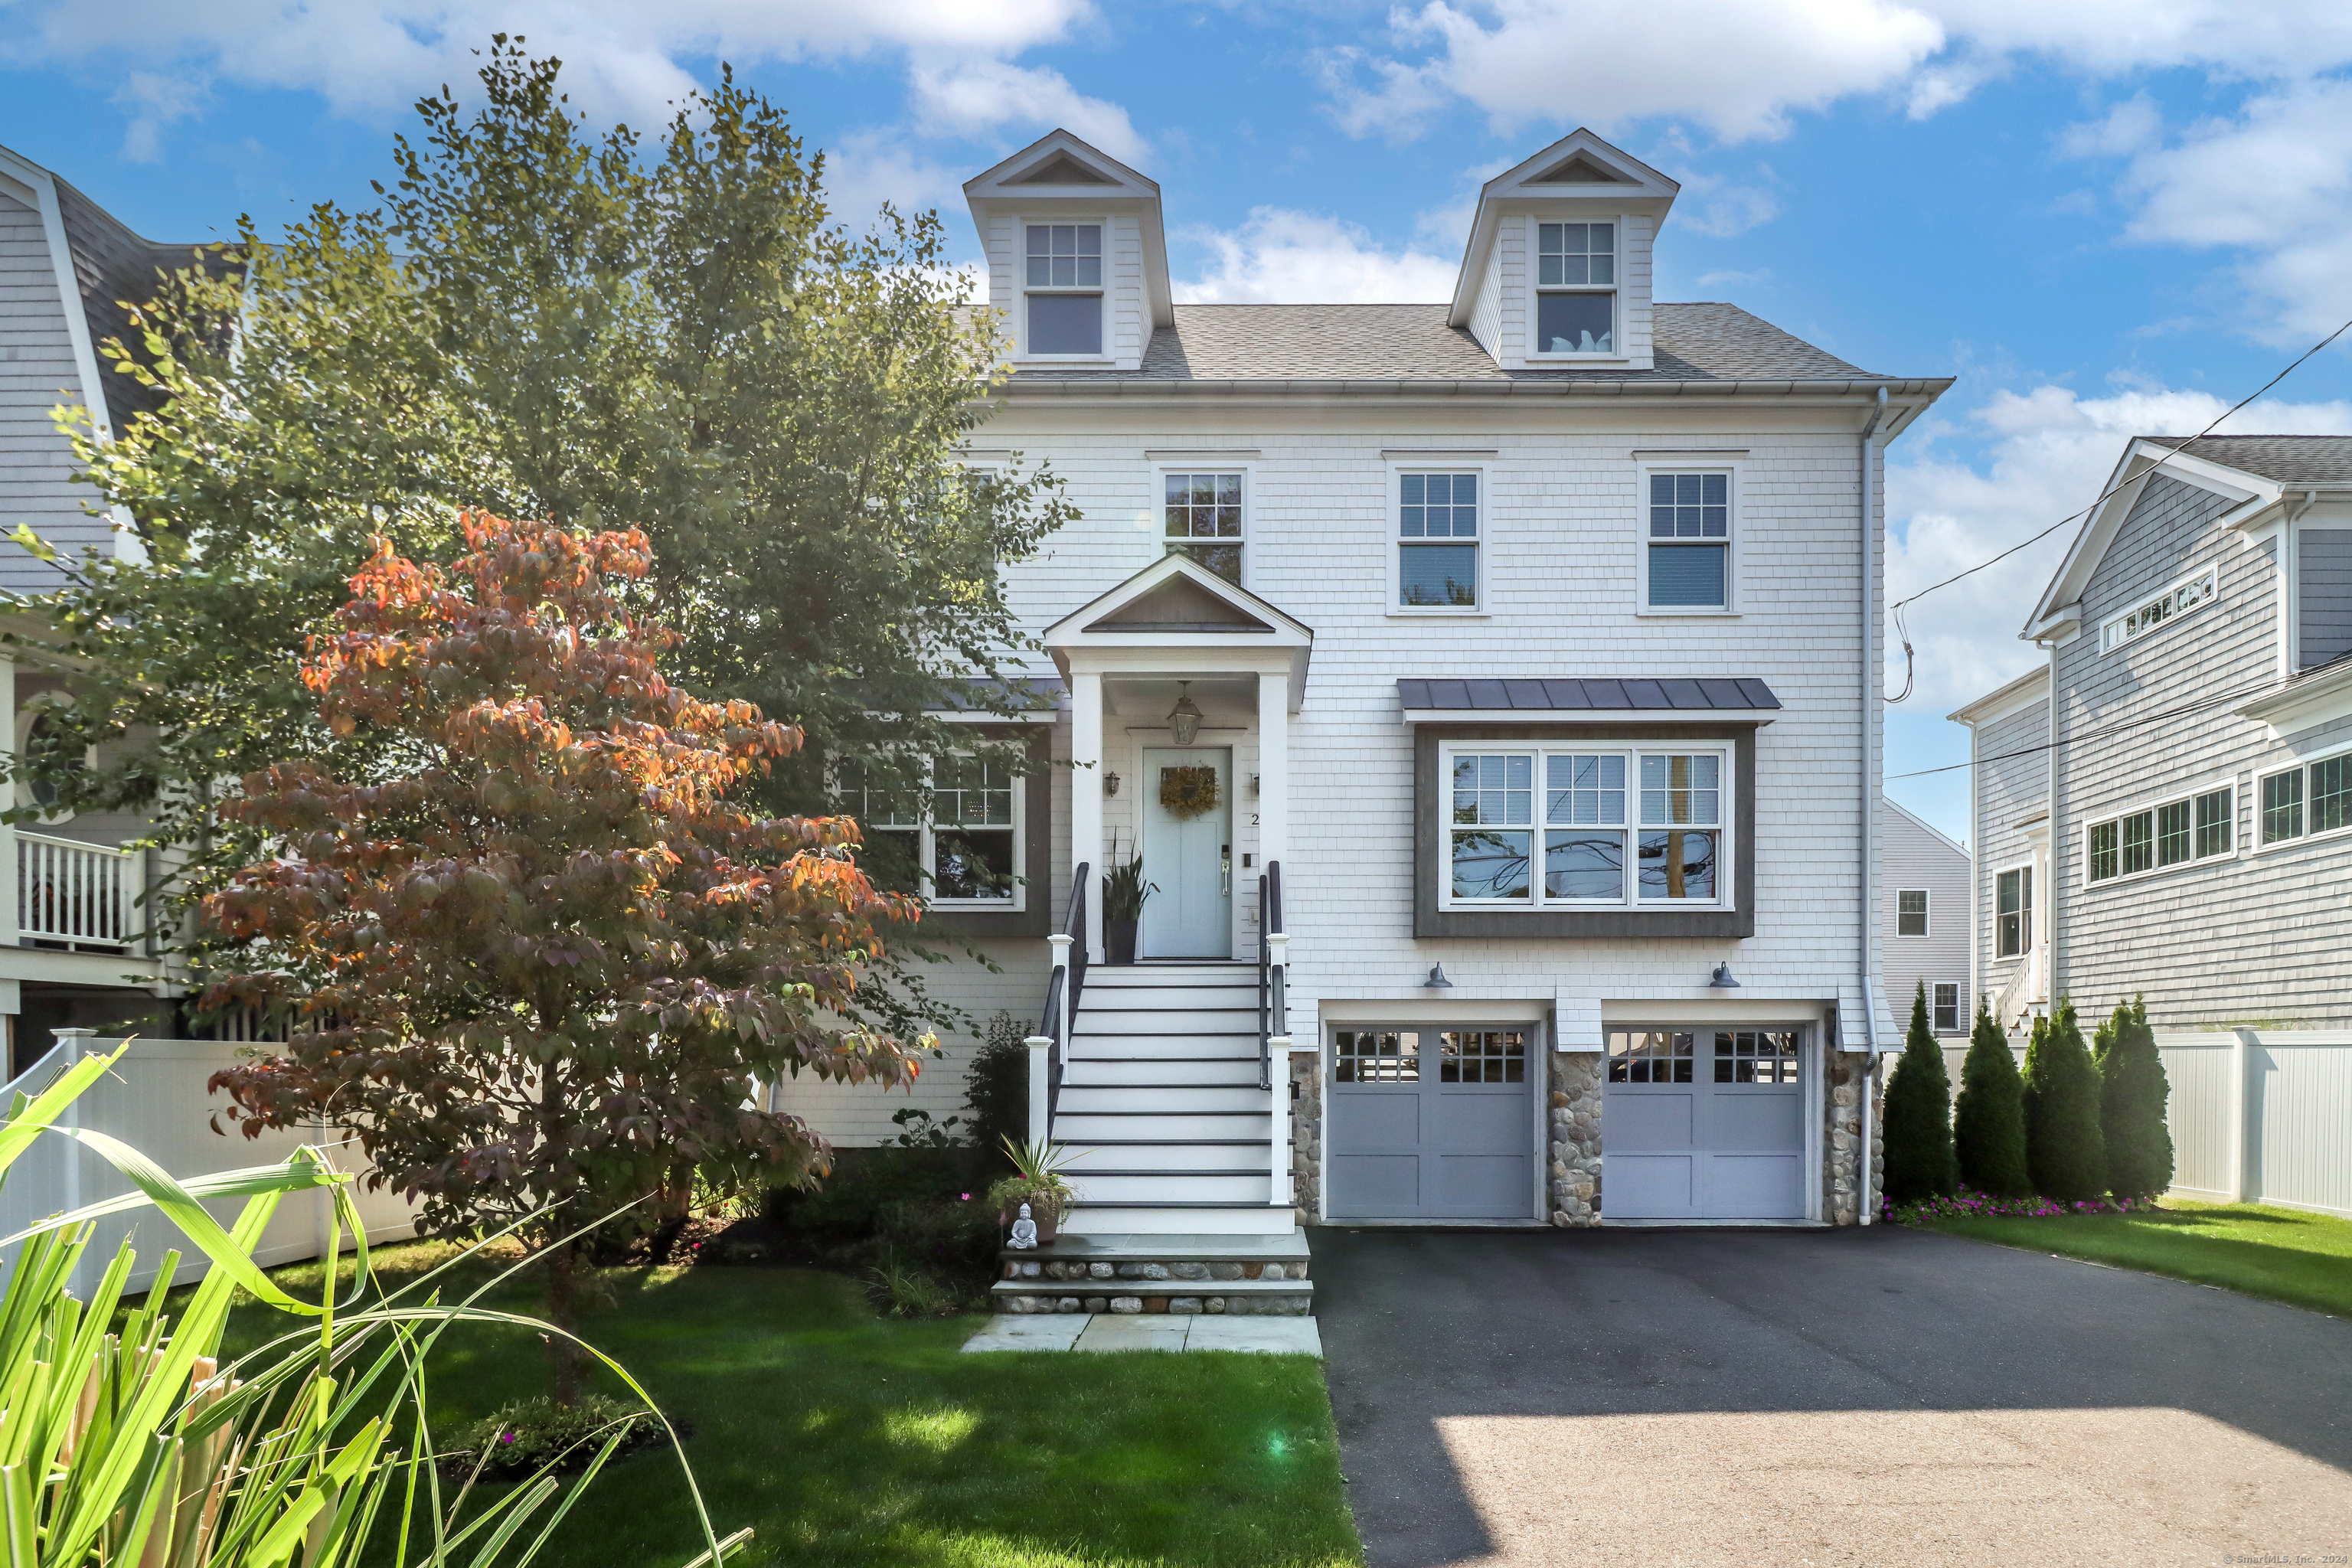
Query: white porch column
[[1086, 797], [1274, 768]]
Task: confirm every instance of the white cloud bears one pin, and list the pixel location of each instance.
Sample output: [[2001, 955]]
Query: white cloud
[[157, 102], [1721, 208], [2049, 452], [863, 169], [1282, 257], [373, 57], [1742, 70], [974, 97]]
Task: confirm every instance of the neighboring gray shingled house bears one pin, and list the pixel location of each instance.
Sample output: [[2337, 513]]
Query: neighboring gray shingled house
[[2167, 808], [1532, 635]]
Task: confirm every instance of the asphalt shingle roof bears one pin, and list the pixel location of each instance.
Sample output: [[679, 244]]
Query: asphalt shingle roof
[[1414, 343], [2290, 459]]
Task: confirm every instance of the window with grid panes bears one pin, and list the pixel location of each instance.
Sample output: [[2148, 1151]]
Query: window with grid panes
[[1755, 1055], [1571, 807], [1651, 1056], [1376, 1056], [1576, 293], [1064, 288], [1482, 1055], [1437, 540], [2172, 841], [2331, 794], [1584, 826], [965, 850], [1946, 1004], [1493, 825], [1201, 514], [1689, 551], [2139, 842], [1911, 911], [1681, 811], [2216, 817], [2283, 807], [2012, 911]]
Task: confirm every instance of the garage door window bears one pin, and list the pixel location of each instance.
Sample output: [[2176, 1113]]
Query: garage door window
[[1755, 1055], [1483, 1056], [1377, 1056], [1649, 1056]]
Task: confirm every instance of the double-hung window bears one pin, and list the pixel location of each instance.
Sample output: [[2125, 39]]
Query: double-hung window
[[1201, 514], [1437, 540], [1946, 1001], [1572, 826], [1575, 288], [2195, 826], [1687, 561], [2306, 801], [964, 851], [1911, 911], [1063, 289], [2012, 901]]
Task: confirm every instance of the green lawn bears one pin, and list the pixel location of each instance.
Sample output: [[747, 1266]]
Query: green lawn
[[845, 1438], [2285, 1255]]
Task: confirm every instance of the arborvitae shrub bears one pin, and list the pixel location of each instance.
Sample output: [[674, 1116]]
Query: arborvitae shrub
[[2132, 1092], [1989, 1123], [2065, 1150], [1919, 1117]]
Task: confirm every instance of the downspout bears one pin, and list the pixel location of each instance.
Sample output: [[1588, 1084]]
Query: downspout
[[1867, 912]]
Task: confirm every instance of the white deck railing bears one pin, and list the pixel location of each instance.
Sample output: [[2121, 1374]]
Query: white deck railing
[[76, 892]]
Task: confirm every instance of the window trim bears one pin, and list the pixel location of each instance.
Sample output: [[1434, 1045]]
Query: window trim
[[1030, 911], [1246, 468], [1632, 827], [2027, 935], [1643, 468], [1935, 1007], [2112, 637], [1537, 290], [2254, 842], [1023, 352], [2153, 806], [1927, 914], [1734, 913], [1397, 469]]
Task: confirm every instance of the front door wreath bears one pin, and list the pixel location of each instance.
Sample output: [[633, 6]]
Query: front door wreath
[[1188, 793]]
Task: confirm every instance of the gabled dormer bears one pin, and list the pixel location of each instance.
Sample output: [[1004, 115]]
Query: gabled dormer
[[1556, 274], [1078, 259]]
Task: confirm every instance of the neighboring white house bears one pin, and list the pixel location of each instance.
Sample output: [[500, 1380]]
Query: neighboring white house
[[2178, 822], [1532, 635], [1926, 921], [73, 948]]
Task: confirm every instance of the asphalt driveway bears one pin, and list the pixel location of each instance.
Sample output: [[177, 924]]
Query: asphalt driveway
[[1820, 1396]]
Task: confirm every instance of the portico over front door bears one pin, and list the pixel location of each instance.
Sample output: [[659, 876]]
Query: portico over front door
[[1188, 852]]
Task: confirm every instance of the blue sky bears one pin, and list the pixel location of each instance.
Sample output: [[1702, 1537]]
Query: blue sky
[[2104, 216]]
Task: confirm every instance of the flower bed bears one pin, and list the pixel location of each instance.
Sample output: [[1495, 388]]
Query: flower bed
[[1967, 1205]]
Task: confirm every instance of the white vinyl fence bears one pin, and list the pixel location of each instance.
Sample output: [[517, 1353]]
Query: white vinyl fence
[[2256, 1115], [155, 1100]]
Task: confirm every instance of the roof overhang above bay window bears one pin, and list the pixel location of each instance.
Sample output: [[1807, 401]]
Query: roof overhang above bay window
[[1578, 174], [1588, 700], [1176, 616], [1059, 174]]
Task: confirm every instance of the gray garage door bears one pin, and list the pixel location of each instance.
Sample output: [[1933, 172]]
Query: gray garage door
[[1430, 1124], [1704, 1124]]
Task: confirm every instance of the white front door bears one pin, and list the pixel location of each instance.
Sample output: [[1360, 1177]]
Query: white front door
[[1188, 853]]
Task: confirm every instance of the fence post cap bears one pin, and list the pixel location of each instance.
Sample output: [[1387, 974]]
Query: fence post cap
[[74, 1034], [1038, 1042]]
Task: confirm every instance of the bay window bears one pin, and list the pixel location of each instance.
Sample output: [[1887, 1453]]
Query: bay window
[[1552, 826]]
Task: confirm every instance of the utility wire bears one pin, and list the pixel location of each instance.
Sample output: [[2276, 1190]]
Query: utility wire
[[1903, 633], [2185, 710]]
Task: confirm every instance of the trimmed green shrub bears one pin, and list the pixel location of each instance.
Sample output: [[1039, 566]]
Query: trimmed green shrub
[[2132, 1092], [2065, 1151], [1919, 1117], [998, 1085], [1989, 1123]]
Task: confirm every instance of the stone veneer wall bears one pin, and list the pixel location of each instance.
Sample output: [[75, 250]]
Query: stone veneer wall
[[1307, 1135], [1849, 1079], [1576, 1096]]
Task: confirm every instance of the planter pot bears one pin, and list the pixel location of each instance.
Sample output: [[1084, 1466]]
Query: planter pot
[[1119, 941]]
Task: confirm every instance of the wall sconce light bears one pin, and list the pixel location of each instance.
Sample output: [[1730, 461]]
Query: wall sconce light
[[1111, 783], [1437, 981], [1722, 980], [1184, 719]]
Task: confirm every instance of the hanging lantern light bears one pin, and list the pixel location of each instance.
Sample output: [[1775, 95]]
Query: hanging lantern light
[[1184, 719]]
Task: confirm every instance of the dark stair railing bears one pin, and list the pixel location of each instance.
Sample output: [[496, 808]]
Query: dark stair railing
[[1273, 1010]]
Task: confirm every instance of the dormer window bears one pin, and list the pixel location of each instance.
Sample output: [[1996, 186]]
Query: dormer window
[[1064, 289], [1575, 288]]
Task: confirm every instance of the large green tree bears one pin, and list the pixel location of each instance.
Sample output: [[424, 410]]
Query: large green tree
[[1918, 1116], [547, 321], [2065, 1150], [1988, 1121]]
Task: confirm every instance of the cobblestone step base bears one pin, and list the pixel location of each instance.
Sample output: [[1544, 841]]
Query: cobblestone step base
[[1237, 1298]]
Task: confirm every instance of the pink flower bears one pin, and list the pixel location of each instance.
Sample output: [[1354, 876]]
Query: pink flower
[[967, 1197]]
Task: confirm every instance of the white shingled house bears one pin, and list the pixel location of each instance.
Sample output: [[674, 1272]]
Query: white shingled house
[[1925, 917], [1490, 688]]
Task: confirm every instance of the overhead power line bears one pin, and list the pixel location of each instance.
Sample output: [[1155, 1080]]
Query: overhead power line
[[1903, 632], [2186, 709]]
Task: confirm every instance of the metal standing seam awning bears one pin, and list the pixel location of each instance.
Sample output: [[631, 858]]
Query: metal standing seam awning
[[1441, 699]]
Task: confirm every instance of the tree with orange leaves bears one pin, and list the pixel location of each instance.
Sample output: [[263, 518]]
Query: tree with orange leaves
[[541, 965]]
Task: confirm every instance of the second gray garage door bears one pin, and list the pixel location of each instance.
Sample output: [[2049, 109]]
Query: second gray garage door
[[1426, 1123], [1704, 1124]]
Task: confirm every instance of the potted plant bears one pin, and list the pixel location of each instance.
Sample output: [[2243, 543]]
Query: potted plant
[[1037, 1182], [1123, 892]]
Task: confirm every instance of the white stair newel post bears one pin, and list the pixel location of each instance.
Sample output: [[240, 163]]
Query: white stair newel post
[[1278, 1047], [1059, 1025]]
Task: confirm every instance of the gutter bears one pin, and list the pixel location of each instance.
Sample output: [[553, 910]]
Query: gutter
[[1866, 911], [1130, 383]]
